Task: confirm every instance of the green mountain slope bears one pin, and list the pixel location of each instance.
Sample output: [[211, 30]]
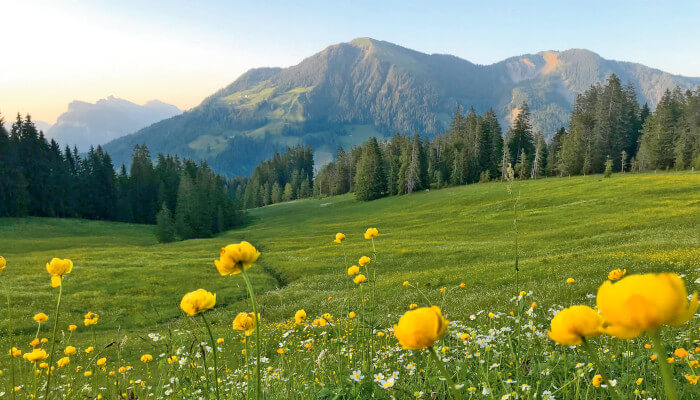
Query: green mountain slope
[[350, 91]]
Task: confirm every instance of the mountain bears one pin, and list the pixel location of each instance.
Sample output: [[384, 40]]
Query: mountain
[[87, 124], [350, 91]]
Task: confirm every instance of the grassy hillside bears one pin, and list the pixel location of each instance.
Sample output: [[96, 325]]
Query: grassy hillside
[[579, 227]]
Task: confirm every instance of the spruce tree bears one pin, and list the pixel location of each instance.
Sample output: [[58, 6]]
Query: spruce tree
[[370, 181], [165, 226]]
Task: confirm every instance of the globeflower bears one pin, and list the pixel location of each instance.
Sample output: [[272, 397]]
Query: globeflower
[[41, 317], [572, 325], [639, 303], [339, 237], [146, 358], [3, 263], [57, 268], [72, 327], [354, 270], [570, 280], [597, 380], [198, 301], [245, 322], [234, 258], [35, 356], [371, 233], [15, 352], [69, 350], [299, 316], [364, 260], [351, 315], [420, 328], [63, 362], [90, 318], [413, 306], [360, 279], [617, 274], [34, 342], [101, 362]]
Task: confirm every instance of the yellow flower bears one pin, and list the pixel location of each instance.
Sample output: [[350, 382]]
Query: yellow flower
[[236, 257], [351, 315], [462, 285], [354, 270], [41, 317], [405, 283], [146, 358], [465, 336], [639, 303], [198, 301], [91, 318], [3, 263], [280, 351], [492, 315], [327, 317], [35, 356], [371, 233], [617, 274], [63, 362], [442, 290], [87, 373], [34, 342], [320, 322], [413, 306], [360, 279], [380, 334], [639, 381], [300, 316], [122, 370], [57, 268], [571, 325], [692, 379], [89, 350], [220, 340], [681, 353], [533, 305], [244, 322], [102, 362], [44, 340], [670, 360], [172, 359], [570, 280], [44, 365], [339, 237], [420, 328], [15, 352], [72, 328], [597, 380], [364, 260], [69, 350]]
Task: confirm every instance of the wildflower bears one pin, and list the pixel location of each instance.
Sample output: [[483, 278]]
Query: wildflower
[[371, 233], [57, 268], [652, 357], [102, 362], [172, 359], [640, 303], [236, 257], [357, 376], [220, 340], [351, 315], [692, 379], [617, 274], [570, 280], [300, 316], [462, 285], [280, 350], [63, 362], [571, 325], [413, 306], [90, 318], [195, 302], [34, 356], [364, 260], [360, 279], [44, 340], [244, 322], [492, 315], [146, 358], [34, 342], [354, 270], [420, 328], [89, 350], [69, 350], [87, 373], [72, 327], [41, 317], [670, 360], [405, 283], [339, 237], [597, 380], [639, 381], [681, 353], [442, 290], [380, 334], [43, 365], [3, 263], [465, 336], [319, 322]]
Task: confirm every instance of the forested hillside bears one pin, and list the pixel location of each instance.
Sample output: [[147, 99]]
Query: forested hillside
[[352, 91]]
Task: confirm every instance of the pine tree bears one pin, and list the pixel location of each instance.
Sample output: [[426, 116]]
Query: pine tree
[[370, 181], [165, 226]]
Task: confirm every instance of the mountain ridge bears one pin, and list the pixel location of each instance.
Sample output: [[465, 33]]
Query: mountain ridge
[[366, 87]]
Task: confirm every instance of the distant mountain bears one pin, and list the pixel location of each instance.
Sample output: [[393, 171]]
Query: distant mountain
[[40, 125], [88, 124], [350, 91]]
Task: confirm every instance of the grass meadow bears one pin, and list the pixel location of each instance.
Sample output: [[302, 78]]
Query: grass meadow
[[455, 247]]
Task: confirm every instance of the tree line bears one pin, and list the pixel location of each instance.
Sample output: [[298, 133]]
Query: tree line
[[38, 178]]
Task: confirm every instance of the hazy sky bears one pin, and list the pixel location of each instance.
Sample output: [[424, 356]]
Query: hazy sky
[[181, 51]]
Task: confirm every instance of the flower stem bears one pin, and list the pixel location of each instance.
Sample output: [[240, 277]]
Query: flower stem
[[213, 346], [12, 342], [455, 393], [257, 333], [663, 366], [53, 340], [596, 361]]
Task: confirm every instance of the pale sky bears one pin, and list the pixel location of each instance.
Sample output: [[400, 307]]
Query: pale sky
[[182, 51]]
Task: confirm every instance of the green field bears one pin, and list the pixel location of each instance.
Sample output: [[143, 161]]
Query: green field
[[579, 227]]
